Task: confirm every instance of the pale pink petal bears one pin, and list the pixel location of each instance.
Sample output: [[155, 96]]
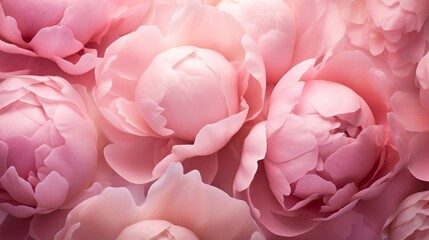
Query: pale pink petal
[[255, 92], [52, 192], [321, 21], [419, 156], [17, 188], [353, 162], [292, 140], [409, 111], [219, 134], [55, 41], [85, 63], [268, 208], [233, 222], [150, 229], [45, 14], [286, 95], [96, 15], [254, 149], [134, 161], [312, 183], [184, 30], [83, 222]]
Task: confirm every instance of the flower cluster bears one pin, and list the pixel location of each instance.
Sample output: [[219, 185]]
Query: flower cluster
[[214, 119]]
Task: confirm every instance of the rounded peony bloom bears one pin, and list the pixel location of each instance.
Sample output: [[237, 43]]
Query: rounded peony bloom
[[48, 145], [396, 30], [66, 32], [325, 145], [177, 206], [285, 31], [410, 220], [179, 95]]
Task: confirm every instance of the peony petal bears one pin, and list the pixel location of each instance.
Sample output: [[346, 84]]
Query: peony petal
[[96, 15], [134, 161], [90, 220], [219, 134], [409, 111], [419, 156], [292, 140], [184, 30], [55, 41], [17, 188], [151, 229], [286, 95], [52, 192], [353, 162], [312, 183], [254, 150], [234, 222]]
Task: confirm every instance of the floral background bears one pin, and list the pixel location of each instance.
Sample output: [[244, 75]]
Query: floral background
[[214, 119]]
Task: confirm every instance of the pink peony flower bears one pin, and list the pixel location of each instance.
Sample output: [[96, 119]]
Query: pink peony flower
[[179, 95], [68, 33], [325, 145], [285, 30], [177, 206], [410, 220], [48, 145], [396, 30]]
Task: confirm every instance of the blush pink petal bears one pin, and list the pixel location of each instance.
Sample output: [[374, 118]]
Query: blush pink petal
[[55, 41], [312, 183], [9, 29], [147, 42], [254, 149], [322, 21], [135, 161], [325, 97], [374, 84], [44, 195], [291, 141], [286, 95], [219, 133], [422, 76], [184, 30], [353, 162], [255, 92], [419, 156], [97, 15], [266, 208], [150, 229], [84, 221], [272, 25], [49, 14], [234, 222], [18, 188], [85, 63], [409, 112]]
